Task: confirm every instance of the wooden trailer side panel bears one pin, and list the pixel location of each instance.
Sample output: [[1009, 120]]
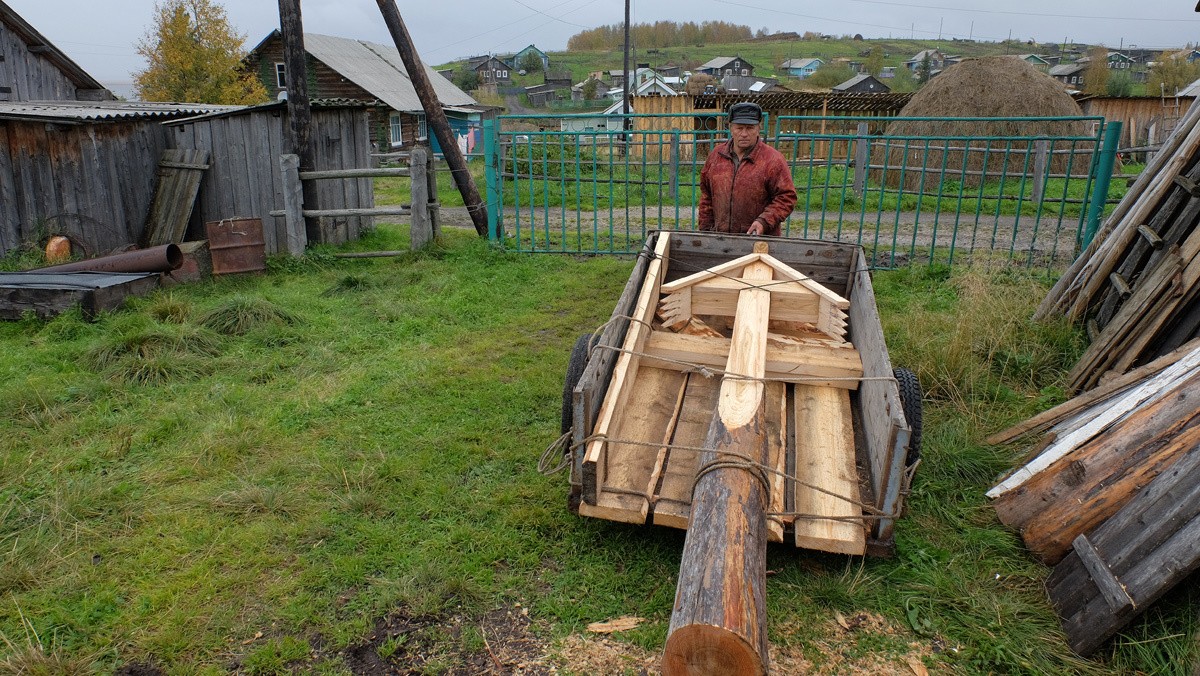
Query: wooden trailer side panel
[[885, 431]]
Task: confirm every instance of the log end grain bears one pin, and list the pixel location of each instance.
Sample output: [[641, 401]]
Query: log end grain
[[712, 651]]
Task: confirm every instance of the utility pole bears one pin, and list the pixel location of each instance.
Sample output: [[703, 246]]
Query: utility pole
[[940, 22], [291, 27], [625, 73], [435, 117]]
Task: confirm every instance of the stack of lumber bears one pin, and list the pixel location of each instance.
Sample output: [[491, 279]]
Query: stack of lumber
[[1112, 498], [1137, 285]]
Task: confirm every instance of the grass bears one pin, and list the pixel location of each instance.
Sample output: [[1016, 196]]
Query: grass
[[374, 453]]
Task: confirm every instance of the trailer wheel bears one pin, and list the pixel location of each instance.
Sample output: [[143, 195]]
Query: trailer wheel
[[910, 400], [575, 366]]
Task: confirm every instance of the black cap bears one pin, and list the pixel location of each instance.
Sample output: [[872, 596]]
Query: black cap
[[745, 112]]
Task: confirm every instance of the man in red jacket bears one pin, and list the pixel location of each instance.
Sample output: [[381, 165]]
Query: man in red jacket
[[745, 186]]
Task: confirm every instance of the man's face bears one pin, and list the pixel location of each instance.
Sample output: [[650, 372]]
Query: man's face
[[744, 135]]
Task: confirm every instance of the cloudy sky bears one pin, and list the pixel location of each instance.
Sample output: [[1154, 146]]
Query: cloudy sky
[[100, 36]]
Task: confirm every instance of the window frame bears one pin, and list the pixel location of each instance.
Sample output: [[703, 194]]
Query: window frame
[[281, 75], [395, 130]]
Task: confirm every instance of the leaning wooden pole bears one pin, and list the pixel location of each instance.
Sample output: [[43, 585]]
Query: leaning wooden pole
[[719, 622], [435, 116], [291, 29]]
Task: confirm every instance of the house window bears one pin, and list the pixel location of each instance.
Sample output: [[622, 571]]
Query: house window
[[395, 130], [503, 74], [422, 131], [745, 71], [737, 64], [281, 75], [729, 71]]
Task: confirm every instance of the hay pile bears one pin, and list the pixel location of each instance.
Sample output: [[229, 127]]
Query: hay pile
[[994, 86]]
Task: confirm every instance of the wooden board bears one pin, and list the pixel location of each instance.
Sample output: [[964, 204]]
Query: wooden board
[[825, 459], [808, 363]]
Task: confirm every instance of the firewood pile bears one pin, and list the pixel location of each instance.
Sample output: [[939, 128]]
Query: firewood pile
[[1110, 496], [1136, 285]]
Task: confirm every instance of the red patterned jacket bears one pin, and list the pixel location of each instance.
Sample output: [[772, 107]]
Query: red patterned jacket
[[733, 193]]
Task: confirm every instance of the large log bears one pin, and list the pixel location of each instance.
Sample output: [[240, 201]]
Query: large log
[[718, 625]]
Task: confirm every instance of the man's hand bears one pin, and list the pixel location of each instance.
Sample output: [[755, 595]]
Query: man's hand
[[756, 228]]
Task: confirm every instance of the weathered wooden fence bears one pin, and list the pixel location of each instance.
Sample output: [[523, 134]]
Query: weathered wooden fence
[[423, 209]]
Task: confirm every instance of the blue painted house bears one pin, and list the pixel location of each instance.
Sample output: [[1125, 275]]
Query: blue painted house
[[519, 58], [801, 68]]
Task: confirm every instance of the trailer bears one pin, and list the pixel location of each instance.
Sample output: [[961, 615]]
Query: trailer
[[741, 390]]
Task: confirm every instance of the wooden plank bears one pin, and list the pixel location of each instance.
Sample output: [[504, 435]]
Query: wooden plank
[[675, 492], [10, 218], [777, 459], [839, 366], [825, 459], [624, 373], [1152, 239], [1151, 545], [1110, 587], [664, 451], [293, 201], [420, 229], [1145, 393], [885, 432]]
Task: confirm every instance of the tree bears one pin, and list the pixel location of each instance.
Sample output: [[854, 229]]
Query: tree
[[1171, 74], [925, 70], [589, 88], [1095, 76], [904, 82], [530, 63], [193, 54], [874, 63], [1119, 84], [829, 75], [466, 79]]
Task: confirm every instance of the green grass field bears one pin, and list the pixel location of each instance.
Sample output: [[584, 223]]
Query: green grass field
[[332, 465]]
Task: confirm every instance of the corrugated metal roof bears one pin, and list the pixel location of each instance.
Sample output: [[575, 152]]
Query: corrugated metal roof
[[95, 111], [380, 70]]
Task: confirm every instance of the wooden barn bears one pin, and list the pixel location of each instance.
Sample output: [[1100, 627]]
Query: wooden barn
[[81, 169], [33, 69], [243, 179], [1146, 120], [343, 68]]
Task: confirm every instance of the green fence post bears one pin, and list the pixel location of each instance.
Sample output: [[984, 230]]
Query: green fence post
[[492, 174], [1104, 170]]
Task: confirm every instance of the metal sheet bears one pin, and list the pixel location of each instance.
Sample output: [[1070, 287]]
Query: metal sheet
[[236, 245]]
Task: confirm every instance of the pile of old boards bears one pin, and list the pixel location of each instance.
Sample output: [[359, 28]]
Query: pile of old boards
[[731, 410], [1111, 497], [1137, 285]]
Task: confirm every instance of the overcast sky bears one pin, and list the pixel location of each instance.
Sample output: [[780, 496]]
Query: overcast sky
[[100, 36]]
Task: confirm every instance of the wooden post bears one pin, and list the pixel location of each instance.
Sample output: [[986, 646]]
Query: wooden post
[[718, 624], [291, 27], [293, 204], [1039, 169], [420, 231], [862, 158], [435, 217], [435, 117]]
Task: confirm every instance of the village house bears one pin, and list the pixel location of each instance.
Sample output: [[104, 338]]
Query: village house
[[734, 84], [344, 68], [937, 61], [801, 68], [1070, 74], [862, 83], [521, 56], [1036, 61], [726, 65], [491, 69], [33, 69]]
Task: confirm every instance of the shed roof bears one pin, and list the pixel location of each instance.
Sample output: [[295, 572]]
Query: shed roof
[[1065, 69], [74, 112], [379, 70], [30, 35], [719, 62], [858, 79], [280, 105], [800, 63]]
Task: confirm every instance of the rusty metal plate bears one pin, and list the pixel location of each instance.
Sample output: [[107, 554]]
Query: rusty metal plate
[[236, 245]]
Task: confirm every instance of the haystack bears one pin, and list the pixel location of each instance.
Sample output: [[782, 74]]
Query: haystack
[[994, 86]]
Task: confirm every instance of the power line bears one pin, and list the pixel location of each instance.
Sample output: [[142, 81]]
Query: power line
[[559, 19], [1038, 14], [845, 21]]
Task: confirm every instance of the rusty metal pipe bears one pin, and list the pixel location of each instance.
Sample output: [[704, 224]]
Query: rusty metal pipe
[[155, 259]]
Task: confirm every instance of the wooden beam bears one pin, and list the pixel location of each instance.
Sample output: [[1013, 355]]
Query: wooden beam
[[825, 458], [435, 117], [291, 28], [799, 362]]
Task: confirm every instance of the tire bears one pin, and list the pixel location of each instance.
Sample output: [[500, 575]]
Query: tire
[[910, 401], [575, 366]]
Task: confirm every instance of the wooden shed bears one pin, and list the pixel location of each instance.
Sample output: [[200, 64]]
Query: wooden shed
[[81, 169], [33, 69], [243, 178]]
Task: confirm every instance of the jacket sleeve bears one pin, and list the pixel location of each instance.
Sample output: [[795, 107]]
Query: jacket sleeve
[[783, 195], [704, 217]]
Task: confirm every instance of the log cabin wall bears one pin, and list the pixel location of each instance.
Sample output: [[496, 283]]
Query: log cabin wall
[[243, 178], [91, 181]]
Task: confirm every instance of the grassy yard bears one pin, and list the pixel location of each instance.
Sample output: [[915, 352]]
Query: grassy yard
[[332, 466]]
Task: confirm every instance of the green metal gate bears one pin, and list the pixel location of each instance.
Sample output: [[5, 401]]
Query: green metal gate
[[598, 184]]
